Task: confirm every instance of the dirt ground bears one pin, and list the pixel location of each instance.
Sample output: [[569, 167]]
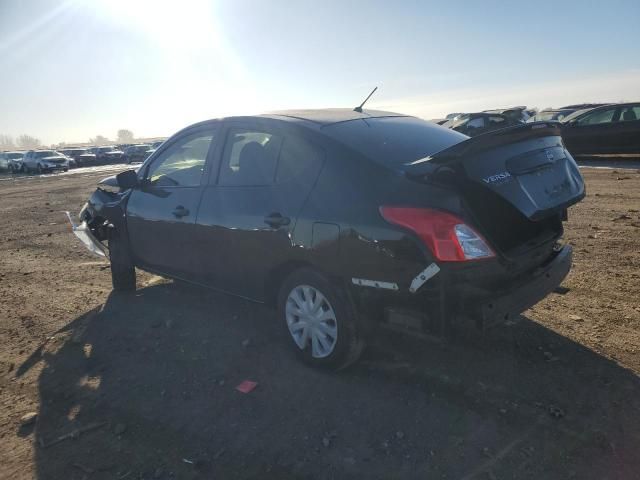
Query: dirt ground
[[143, 386]]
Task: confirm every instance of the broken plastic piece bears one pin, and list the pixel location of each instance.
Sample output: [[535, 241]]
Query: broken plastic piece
[[246, 386]]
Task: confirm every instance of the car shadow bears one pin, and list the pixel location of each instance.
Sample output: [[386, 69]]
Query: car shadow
[[144, 387]]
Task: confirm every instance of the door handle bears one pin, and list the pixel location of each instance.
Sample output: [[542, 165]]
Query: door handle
[[180, 211], [276, 220]]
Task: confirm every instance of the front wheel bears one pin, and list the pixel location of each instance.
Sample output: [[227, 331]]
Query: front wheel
[[123, 272], [319, 321]]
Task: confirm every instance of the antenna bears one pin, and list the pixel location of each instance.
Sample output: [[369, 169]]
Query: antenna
[[359, 109]]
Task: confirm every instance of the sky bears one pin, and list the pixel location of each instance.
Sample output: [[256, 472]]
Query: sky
[[71, 70]]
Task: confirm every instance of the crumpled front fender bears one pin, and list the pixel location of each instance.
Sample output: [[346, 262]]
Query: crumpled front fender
[[105, 208]]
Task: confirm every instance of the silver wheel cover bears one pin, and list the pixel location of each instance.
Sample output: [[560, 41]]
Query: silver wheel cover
[[311, 321]]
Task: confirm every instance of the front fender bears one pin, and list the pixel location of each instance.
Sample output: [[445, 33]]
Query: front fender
[[105, 210]]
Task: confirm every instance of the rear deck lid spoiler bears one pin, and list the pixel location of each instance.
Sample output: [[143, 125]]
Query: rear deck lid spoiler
[[527, 165]]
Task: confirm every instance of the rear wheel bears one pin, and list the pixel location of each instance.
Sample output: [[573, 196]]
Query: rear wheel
[[123, 272], [319, 321]]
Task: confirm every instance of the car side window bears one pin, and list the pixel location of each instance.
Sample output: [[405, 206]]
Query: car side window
[[602, 116], [300, 161], [182, 164], [630, 114], [249, 157], [497, 121], [474, 123]]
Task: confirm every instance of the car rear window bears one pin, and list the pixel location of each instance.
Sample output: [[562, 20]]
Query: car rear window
[[393, 141]]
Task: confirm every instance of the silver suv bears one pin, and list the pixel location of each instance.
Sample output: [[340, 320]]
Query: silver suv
[[42, 161]]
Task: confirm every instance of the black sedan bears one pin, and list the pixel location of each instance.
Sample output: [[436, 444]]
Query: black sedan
[[346, 221], [609, 129], [73, 154]]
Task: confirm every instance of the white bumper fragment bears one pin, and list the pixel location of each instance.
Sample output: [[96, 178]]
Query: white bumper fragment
[[83, 232]]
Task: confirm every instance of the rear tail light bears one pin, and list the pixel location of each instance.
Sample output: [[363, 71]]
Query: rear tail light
[[447, 236]]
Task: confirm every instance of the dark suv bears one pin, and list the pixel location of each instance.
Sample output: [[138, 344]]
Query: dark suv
[[347, 221], [136, 153]]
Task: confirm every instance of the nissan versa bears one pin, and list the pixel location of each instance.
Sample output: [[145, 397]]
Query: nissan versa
[[347, 221]]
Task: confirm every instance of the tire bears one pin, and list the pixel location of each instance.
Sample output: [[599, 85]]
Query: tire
[[337, 342], [123, 272], [39, 169]]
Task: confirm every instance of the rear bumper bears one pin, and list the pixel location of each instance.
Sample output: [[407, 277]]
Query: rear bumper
[[499, 306], [448, 299]]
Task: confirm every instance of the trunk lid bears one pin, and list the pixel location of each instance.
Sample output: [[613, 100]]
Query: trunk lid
[[526, 165]]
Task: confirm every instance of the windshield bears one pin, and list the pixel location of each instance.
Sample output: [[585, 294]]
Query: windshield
[[47, 153], [393, 141], [14, 155]]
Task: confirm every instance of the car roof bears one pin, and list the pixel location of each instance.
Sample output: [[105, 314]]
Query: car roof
[[309, 118], [329, 116]]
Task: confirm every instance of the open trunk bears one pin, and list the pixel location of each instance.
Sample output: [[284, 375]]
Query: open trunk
[[517, 183]]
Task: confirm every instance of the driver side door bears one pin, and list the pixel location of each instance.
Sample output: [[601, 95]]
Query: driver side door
[[161, 212]]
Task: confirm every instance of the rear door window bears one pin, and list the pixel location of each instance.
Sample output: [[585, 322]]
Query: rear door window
[[250, 157]]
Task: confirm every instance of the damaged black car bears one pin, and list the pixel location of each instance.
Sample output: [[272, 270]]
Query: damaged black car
[[347, 222]]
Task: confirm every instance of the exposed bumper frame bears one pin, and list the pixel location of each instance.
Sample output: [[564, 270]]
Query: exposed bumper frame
[[83, 232], [526, 293]]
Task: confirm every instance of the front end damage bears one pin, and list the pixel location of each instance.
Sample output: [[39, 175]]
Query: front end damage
[[102, 213]]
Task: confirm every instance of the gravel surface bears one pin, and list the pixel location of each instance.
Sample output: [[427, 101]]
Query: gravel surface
[[102, 386]]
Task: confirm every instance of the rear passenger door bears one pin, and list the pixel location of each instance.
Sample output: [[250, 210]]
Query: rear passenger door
[[249, 209]]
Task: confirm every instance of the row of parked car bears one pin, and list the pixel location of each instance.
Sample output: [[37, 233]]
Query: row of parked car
[[595, 128], [43, 161]]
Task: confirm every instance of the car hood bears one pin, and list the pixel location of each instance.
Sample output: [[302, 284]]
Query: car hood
[[53, 157]]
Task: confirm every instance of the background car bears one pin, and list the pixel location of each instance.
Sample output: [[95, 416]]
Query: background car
[[515, 114], [5, 158], [154, 147], [100, 155], [608, 129], [73, 154], [14, 161], [43, 161], [472, 124], [136, 153], [551, 114]]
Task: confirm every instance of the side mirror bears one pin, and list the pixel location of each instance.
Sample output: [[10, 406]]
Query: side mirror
[[127, 179]]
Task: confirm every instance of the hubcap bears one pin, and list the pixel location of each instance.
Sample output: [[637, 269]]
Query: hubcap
[[311, 320]]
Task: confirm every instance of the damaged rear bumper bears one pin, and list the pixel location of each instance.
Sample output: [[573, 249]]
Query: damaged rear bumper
[[83, 232], [507, 304]]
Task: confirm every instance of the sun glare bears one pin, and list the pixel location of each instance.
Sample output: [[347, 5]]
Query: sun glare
[[172, 24]]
